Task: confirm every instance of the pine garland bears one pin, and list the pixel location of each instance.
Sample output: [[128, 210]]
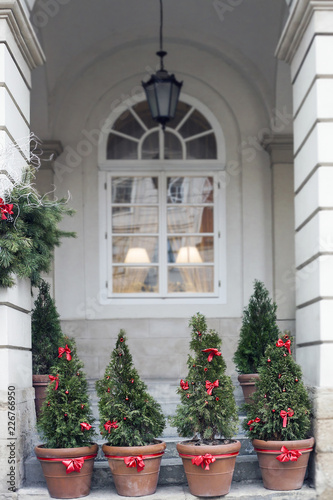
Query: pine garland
[[129, 415], [206, 412], [29, 235], [67, 404], [281, 408], [259, 329]]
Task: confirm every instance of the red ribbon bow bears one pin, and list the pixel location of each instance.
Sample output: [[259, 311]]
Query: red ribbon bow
[[284, 414], [85, 426], [285, 344], [286, 455], [73, 465], [210, 386], [203, 460], [135, 462], [184, 385], [56, 378], [5, 208], [110, 425], [256, 420], [66, 350], [212, 352]]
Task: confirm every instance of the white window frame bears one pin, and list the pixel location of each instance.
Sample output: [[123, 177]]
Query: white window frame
[[214, 168]]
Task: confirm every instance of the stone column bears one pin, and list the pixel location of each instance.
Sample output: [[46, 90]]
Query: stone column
[[280, 149], [20, 52], [307, 45]]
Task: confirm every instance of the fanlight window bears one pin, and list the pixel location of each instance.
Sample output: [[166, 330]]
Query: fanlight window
[[135, 136]]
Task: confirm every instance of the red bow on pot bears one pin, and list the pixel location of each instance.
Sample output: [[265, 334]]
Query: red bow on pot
[[135, 462], [203, 460], [285, 344], [73, 465], [212, 352], [286, 455], [66, 350], [285, 414], [56, 378], [210, 386]]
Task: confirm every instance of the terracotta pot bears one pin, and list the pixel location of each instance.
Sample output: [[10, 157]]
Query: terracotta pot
[[248, 384], [129, 480], [60, 483], [216, 480], [40, 383], [282, 476]]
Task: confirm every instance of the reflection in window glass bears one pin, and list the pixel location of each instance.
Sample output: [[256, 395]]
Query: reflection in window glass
[[202, 148], [191, 250], [196, 124], [151, 147], [135, 219], [190, 190], [172, 147], [135, 249], [134, 190], [191, 279], [120, 148], [135, 279]]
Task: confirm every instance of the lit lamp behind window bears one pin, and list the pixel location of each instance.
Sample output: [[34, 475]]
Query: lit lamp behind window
[[137, 255], [188, 255]]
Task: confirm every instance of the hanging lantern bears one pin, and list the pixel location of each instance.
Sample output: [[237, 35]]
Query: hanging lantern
[[162, 90]]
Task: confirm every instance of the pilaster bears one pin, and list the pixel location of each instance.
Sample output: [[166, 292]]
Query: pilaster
[[306, 44]]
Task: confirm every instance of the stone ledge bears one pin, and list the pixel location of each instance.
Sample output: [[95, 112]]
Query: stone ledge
[[247, 491]]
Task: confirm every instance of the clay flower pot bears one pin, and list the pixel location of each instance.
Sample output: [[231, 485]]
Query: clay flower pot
[[67, 471], [208, 468], [248, 384], [135, 469], [40, 383], [283, 463]]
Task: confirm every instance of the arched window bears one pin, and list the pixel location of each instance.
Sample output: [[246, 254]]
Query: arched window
[[135, 136], [165, 205]]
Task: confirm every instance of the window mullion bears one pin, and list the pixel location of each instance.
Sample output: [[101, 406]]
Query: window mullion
[[163, 237]]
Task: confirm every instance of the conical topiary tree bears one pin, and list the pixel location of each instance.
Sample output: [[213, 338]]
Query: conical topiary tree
[[207, 410], [129, 415], [66, 420], [281, 408], [46, 334], [258, 330]]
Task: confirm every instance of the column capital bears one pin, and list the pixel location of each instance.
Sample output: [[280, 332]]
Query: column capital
[[279, 147], [297, 23], [48, 151], [21, 31]]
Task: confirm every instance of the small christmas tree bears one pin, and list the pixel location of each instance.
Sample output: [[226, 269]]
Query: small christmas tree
[[259, 329], [66, 420], [46, 332], [129, 415], [207, 409], [281, 408]]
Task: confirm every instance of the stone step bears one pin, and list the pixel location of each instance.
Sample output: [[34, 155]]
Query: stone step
[[247, 491]]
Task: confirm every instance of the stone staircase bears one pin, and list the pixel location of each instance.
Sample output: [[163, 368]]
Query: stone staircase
[[171, 474]]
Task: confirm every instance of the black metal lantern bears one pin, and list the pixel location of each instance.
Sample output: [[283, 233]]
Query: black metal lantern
[[162, 90]]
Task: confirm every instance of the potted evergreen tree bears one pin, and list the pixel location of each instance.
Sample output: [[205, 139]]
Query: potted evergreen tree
[[46, 336], [207, 414], [67, 457], [279, 419], [258, 330], [130, 420]]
